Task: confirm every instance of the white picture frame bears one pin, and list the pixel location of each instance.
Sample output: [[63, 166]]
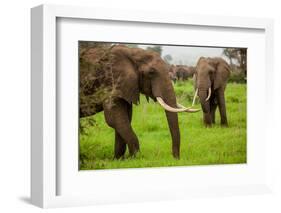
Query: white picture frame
[[44, 153]]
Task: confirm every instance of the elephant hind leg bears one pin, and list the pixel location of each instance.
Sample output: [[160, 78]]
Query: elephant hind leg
[[120, 146], [118, 116], [213, 111], [222, 107]]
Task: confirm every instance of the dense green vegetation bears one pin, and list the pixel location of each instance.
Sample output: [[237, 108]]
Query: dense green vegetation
[[199, 145]]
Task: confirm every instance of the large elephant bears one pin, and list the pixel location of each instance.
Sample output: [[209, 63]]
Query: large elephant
[[210, 82], [112, 80]]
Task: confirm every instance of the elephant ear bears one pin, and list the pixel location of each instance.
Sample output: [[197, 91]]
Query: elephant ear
[[129, 61], [195, 79], [141, 60], [196, 71], [221, 73], [139, 56]]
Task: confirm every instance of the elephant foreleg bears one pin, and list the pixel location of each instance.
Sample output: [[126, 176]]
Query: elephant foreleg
[[118, 116], [213, 111], [222, 108]]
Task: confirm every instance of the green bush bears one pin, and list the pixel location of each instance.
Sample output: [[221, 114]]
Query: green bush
[[237, 77]]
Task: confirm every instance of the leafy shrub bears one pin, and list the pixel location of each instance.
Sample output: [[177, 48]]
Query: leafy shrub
[[237, 77]]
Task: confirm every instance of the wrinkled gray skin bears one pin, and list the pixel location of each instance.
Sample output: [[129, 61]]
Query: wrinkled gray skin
[[212, 73]]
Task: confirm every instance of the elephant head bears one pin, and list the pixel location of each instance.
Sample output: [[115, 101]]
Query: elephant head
[[210, 78], [147, 73]]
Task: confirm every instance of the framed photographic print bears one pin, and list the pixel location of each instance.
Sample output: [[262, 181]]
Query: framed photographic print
[[129, 106]]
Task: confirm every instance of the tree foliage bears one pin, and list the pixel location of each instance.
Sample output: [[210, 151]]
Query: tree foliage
[[168, 58], [83, 45], [97, 82], [237, 56], [132, 45], [156, 48]]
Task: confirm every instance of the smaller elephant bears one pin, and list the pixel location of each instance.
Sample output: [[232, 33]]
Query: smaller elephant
[[172, 73], [184, 72], [210, 80]]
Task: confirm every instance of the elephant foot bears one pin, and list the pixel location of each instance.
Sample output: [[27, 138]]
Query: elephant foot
[[122, 156], [133, 149], [135, 154], [207, 119], [224, 125], [119, 158], [224, 122], [176, 154], [208, 125]]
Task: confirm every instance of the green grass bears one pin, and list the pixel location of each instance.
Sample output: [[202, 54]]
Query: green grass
[[199, 145]]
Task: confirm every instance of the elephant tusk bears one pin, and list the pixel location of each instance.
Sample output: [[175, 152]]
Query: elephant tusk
[[172, 109], [187, 108], [195, 96], [181, 106], [209, 94]]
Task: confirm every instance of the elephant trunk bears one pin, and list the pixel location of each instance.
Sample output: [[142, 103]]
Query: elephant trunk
[[205, 104], [168, 96], [165, 96], [173, 123]]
